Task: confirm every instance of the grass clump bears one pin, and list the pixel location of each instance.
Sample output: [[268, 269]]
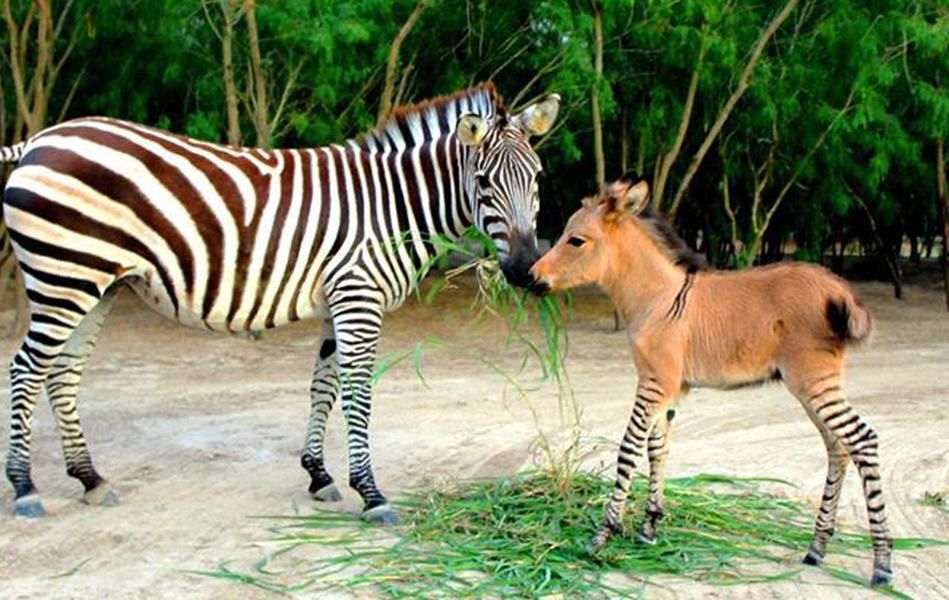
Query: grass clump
[[526, 537]]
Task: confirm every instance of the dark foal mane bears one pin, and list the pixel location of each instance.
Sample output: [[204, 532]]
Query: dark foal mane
[[658, 227]]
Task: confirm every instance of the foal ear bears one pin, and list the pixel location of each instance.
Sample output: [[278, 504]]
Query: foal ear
[[625, 198], [471, 129], [537, 119]]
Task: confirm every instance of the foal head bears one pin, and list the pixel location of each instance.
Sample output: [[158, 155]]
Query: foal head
[[587, 250]]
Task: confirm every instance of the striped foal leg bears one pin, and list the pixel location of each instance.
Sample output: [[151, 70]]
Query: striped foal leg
[[830, 406], [657, 448], [324, 389], [649, 401], [62, 385], [357, 318], [837, 459]]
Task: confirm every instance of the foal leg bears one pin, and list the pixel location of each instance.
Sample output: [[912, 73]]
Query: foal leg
[[837, 459], [62, 385], [657, 449], [651, 400], [324, 389], [825, 399]]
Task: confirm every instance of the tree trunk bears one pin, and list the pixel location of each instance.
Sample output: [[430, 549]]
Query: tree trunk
[[668, 159], [944, 205], [229, 8], [598, 157], [892, 265], [723, 115], [261, 107], [392, 64]]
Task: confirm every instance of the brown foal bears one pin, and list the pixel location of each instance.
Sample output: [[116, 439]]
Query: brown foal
[[687, 327]]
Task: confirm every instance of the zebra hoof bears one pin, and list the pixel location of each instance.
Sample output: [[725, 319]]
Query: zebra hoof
[[101, 495], [28, 507], [380, 515], [328, 493], [881, 577], [812, 558]]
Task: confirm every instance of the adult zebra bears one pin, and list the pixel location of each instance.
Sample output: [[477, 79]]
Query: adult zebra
[[235, 239]]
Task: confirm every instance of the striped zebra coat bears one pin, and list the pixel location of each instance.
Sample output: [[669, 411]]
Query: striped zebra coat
[[237, 239]]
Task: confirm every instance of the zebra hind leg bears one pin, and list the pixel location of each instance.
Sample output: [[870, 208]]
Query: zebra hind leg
[[324, 389], [62, 385], [52, 322]]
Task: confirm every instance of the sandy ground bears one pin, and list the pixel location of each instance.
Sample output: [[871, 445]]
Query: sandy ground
[[199, 432]]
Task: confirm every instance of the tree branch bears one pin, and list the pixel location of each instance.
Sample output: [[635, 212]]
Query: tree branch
[[736, 95], [667, 160], [392, 64]]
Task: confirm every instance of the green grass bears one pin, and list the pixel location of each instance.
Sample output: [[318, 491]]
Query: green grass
[[526, 537]]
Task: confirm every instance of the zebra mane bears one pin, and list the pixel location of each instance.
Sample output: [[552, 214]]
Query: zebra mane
[[413, 124]]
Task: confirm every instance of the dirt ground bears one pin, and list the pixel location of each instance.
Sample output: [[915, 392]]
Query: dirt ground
[[200, 432]]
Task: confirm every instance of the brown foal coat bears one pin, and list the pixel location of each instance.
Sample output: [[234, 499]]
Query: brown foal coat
[[691, 327]]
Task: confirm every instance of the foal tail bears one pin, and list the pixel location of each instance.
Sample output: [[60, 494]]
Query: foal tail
[[849, 320]]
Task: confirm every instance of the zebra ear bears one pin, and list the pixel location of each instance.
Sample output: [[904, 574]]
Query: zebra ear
[[537, 119], [471, 129]]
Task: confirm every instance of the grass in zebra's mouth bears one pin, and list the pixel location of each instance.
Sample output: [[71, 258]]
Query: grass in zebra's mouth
[[536, 327], [525, 537]]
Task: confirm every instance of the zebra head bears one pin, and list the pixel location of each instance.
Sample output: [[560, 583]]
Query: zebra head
[[501, 181]]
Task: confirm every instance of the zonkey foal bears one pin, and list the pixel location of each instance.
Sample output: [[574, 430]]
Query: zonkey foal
[[791, 322]]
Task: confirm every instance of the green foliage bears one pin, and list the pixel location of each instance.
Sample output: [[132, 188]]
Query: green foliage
[[526, 537], [159, 62]]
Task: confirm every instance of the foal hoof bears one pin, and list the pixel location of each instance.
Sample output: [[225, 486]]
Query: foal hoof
[[812, 558], [101, 495], [28, 507], [881, 577], [328, 493], [380, 515], [644, 538], [597, 543]]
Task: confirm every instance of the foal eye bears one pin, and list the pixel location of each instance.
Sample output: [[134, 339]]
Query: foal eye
[[576, 241]]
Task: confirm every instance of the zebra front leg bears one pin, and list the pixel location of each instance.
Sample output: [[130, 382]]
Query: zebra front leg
[[657, 449], [650, 399], [324, 389], [62, 385], [358, 324]]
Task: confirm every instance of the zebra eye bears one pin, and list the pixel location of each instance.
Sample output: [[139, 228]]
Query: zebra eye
[[576, 241]]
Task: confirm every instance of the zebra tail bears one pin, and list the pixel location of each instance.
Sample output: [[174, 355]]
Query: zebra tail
[[12, 154], [8, 154]]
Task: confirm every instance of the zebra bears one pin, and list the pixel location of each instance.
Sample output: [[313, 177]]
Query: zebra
[[243, 239]]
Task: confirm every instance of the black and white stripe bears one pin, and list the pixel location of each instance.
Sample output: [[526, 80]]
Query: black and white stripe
[[236, 239]]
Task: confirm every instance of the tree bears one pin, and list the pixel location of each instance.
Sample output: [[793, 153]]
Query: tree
[[599, 159], [392, 63], [230, 14]]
